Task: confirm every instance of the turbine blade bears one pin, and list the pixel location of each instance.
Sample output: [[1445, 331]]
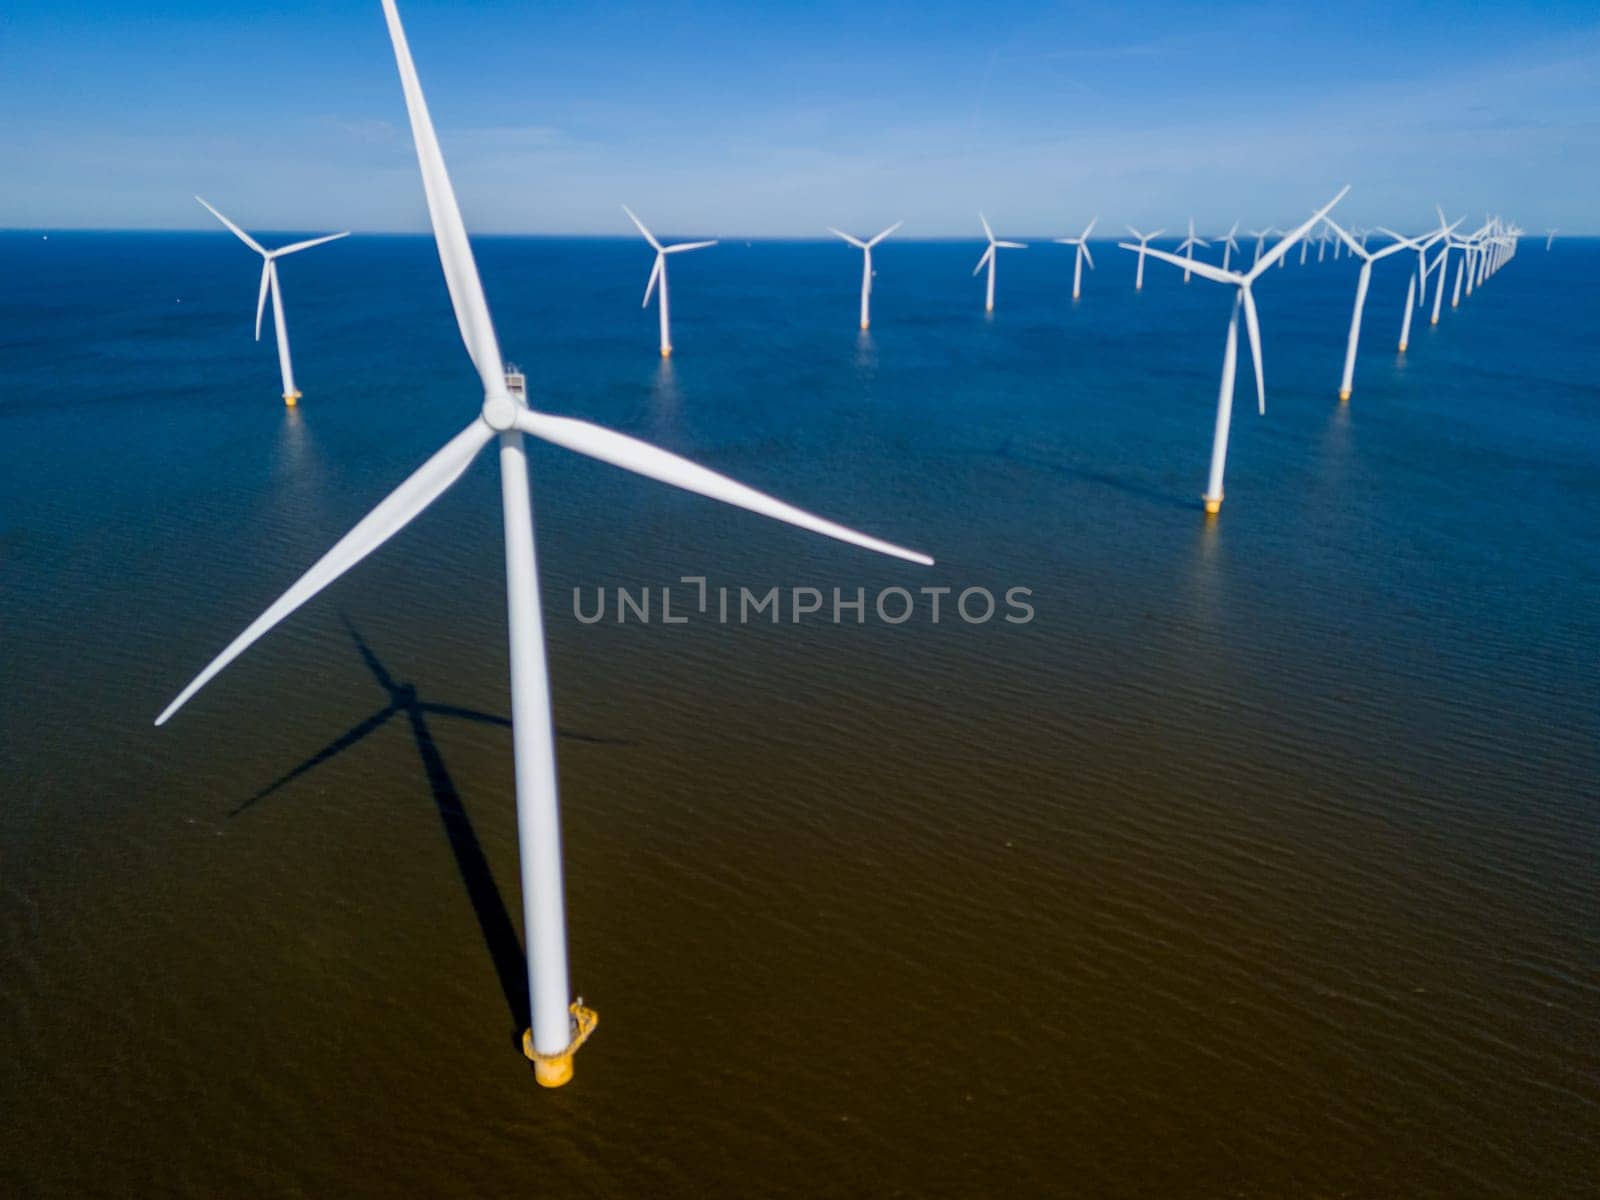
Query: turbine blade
[[455, 253], [682, 246], [1204, 269], [1253, 327], [1089, 228], [237, 232], [653, 463], [1294, 235], [298, 246], [885, 233], [655, 274], [648, 236], [984, 258], [1084, 246], [425, 485], [1013, 245], [1137, 236], [261, 300], [989, 233], [854, 241]]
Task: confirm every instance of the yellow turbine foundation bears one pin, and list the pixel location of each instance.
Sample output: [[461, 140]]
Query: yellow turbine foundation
[[1402, 347], [555, 1070], [865, 324], [666, 352], [1213, 505], [291, 398], [1344, 394]]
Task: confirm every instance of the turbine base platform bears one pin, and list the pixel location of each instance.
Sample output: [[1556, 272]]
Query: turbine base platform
[[666, 352], [290, 399], [865, 325], [1344, 395], [1213, 505], [555, 1070], [1402, 347]]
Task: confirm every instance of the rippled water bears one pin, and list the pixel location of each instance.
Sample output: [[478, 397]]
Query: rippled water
[[1265, 861]]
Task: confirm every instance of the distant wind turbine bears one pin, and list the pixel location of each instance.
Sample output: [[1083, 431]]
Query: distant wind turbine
[[988, 258], [866, 265], [1550, 238], [1143, 238], [1187, 246], [1082, 243], [269, 283], [557, 1027], [1260, 236], [658, 274], [1229, 245], [1363, 281], [1242, 299]]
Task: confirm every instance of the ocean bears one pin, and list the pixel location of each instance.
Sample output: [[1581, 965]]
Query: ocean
[[1263, 860]]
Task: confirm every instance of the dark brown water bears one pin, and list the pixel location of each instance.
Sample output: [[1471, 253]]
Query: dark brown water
[[1263, 862]]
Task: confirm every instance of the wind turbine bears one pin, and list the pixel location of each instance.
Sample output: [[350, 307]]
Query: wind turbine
[[1187, 246], [1229, 246], [1143, 239], [658, 274], [989, 257], [866, 264], [1243, 299], [1442, 263], [1082, 243], [1416, 290], [1550, 238], [557, 1027], [269, 283], [1260, 236], [1363, 280]]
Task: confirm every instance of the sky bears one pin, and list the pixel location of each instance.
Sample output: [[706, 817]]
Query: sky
[[747, 120]]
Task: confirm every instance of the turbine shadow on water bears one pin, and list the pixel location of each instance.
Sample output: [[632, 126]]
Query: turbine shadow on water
[[494, 919]]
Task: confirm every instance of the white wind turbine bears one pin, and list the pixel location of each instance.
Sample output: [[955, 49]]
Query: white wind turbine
[[557, 1028], [1229, 245], [1082, 243], [989, 256], [269, 283], [658, 274], [1187, 246], [1363, 281], [1260, 236], [866, 264], [1550, 238], [1143, 239], [1243, 299], [1441, 264]]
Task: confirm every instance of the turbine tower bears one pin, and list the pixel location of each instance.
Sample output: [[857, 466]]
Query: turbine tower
[[269, 283], [658, 274], [866, 265], [558, 1027]]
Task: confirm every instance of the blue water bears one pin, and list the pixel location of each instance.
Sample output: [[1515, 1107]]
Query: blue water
[[1263, 861]]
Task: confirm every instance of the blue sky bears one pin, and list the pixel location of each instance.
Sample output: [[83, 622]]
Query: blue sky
[[738, 119]]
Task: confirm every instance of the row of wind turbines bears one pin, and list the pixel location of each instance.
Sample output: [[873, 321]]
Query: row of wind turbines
[[1479, 255], [1483, 250], [558, 1025]]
